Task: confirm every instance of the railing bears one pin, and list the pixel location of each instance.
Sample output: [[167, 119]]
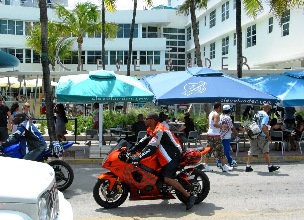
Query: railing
[[75, 127]]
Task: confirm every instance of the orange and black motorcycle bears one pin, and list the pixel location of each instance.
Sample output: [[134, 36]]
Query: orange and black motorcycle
[[144, 180]]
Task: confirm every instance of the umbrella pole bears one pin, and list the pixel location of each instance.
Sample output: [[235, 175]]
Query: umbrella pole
[[100, 124]]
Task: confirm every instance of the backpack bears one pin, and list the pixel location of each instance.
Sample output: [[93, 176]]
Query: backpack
[[254, 127]]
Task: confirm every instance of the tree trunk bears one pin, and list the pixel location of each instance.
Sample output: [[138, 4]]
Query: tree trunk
[[239, 37], [103, 37], [46, 69], [131, 39], [79, 41], [239, 49], [197, 45]]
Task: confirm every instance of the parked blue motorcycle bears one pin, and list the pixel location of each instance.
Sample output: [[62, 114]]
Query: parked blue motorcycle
[[63, 171]]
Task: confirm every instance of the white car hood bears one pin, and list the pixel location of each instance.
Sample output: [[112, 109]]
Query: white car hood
[[19, 186]]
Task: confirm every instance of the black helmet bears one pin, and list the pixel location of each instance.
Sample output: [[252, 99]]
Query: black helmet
[[18, 118]]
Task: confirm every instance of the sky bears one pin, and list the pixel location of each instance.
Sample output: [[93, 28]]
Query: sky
[[122, 3]]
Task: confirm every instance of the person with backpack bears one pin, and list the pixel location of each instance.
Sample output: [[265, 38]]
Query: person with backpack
[[259, 144]]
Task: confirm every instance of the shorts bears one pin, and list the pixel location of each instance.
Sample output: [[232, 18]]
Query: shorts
[[216, 147], [3, 134], [170, 169], [258, 146]]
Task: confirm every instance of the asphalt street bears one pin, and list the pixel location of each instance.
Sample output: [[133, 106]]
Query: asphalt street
[[234, 195]]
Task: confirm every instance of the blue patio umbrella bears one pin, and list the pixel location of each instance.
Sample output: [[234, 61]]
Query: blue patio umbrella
[[203, 85], [7, 60], [287, 87], [101, 86]]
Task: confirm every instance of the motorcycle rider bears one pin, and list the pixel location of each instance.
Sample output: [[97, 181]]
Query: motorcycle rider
[[31, 141], [161, 141]]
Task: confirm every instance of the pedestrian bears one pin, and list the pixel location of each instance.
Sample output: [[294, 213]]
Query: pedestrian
[[60, 122], [14, 111], [26, 110], [5, 120], [260, 144], [160, 141], [31, 140], [186, 128], [136, 127], [226, 135], [214, 140]]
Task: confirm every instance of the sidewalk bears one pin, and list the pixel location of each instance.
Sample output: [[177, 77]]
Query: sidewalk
[[82, 154]]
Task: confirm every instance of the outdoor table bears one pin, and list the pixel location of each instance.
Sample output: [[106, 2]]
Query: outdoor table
[[121, 131]]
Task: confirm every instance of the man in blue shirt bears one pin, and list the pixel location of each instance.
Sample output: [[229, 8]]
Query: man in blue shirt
[[31, 141], [260, 145]]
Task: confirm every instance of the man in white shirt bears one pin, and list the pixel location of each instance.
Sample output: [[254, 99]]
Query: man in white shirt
[[214, 140]]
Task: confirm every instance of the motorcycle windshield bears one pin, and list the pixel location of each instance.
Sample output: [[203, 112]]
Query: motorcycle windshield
[[122, 143]]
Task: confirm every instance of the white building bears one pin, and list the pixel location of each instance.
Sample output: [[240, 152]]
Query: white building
[[162, 34]]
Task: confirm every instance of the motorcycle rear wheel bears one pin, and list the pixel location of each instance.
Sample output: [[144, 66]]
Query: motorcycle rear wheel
[[64, 174], [201, 184], [109, 199]]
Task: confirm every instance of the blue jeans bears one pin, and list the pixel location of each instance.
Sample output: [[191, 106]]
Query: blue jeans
[[226, 143]]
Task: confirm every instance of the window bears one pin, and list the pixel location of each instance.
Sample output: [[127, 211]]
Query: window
[[285, 23], [28, 56], [225, 45], [188, 33], [11, 27], [146, 56], [270, 25], [92, 57], [234, 4], [94, 35], [205, 21], [3, 27], [124, 31], [19, 27], [36, 57], [212, 18], [251, 36], [204, 53], [73, 58], [225, 11], [234, 39], [212, 50]]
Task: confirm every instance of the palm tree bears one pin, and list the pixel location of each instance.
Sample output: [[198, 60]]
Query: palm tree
[[192, 5], [253, 7], [149, 3], [54, 41], [83, 19], [46, 69], [238, 29]]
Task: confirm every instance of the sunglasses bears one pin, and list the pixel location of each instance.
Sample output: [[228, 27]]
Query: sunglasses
[[148, 118]]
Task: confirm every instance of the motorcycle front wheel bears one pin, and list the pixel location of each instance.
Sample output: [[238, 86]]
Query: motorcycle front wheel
[[64, 174], [200, 186], [109, 199]]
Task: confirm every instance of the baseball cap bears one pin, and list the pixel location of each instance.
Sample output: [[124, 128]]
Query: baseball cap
[[27, 104], [226, 107]]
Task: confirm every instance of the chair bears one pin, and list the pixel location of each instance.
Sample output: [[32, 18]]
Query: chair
[[91, 135], [300, 141], [192, 138], [235, 140], [114, 137], [277, 136], [140, 135]]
